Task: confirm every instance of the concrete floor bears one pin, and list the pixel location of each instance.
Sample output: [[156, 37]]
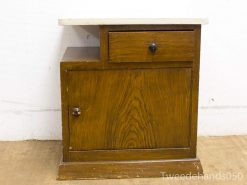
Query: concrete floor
[[224, 160]]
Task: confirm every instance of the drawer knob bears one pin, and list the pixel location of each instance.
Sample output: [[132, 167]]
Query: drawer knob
[[76, 111], [152, 47]]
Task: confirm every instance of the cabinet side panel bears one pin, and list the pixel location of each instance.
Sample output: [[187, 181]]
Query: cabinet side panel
[[195, 91], [64, 106]]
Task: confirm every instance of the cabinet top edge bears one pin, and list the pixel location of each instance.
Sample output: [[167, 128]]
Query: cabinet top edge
[[131, 21]]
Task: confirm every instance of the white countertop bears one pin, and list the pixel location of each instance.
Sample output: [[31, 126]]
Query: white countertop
[[131, 21]]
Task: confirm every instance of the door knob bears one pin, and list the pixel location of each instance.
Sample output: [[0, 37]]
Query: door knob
[[76, 111], [152, 47]]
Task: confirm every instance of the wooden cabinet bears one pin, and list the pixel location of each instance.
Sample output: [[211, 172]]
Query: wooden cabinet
[[129, 107]]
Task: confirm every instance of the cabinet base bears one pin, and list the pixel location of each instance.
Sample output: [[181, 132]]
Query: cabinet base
[[129, 169]]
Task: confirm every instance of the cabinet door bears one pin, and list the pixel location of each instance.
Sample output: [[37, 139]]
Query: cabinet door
[[130, 109]]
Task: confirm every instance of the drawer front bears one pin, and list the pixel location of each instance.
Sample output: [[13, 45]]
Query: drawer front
[[149, 110], [151, 46]]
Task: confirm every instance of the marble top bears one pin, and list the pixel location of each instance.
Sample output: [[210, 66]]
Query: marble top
[[131, 21]]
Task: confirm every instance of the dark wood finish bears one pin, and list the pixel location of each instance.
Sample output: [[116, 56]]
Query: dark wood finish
[[195, 91], [130, 169], [149, 27], [81, 66], [130, 154], [134, 46], [64, 105], [130, 111], [136, 114]]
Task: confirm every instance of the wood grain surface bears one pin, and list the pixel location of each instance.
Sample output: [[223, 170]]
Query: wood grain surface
[[134, 46], [129, 169], [125, 109]]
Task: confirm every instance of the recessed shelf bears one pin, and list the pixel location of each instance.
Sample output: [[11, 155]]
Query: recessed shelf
[[81, 54]]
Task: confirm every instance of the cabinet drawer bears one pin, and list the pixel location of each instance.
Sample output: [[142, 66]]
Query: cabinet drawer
[[151, 46]]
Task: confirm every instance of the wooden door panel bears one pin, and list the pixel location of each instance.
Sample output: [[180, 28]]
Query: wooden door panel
[[130, 109]]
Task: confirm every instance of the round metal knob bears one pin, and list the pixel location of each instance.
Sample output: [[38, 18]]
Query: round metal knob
[[76, 111], [152, 47]]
